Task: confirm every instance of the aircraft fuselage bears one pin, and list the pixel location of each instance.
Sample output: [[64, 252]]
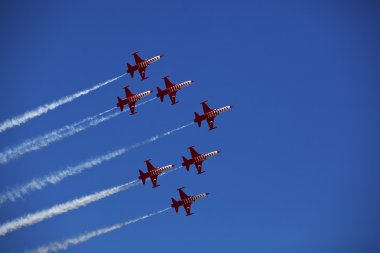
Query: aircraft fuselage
[[215, 112], [191, 199], [204, 157], [133, 98], [158, 171], [146, 63], [176, 87]]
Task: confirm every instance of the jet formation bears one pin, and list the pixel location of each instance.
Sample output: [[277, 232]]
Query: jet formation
[[170, 90]]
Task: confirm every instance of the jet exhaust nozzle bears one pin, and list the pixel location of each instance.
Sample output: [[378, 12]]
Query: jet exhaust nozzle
[[130, 70], [175, 205], [186, 163], [197, 119], [142, 176], [160, 94]]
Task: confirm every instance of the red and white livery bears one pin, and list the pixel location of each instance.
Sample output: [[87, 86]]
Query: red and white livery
[[197, 159], [131, 99], [153, 172], [141, 65], [186, 201], [171, 89], [209, 114]]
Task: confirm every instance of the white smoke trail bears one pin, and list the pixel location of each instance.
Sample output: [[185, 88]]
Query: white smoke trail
[[58, 176], [21, 119], [53, 178], [63, 245], [58, 134], [33, 218]]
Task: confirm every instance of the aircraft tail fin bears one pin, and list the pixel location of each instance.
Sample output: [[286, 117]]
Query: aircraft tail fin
[[142, 177], [120, 104], [175, 205], [159, 94], [197, 119], [186, 163], [130, 70]]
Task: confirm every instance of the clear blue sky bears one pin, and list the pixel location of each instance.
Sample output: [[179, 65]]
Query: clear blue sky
[[299, 168]]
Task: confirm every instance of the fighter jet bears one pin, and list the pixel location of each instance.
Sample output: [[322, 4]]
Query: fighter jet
[[197, 159], [186, 201], [171, 89], [153, 172], [131, 99], [141, 65], [209, 114]]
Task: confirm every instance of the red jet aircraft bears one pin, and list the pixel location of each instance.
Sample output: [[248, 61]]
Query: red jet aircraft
[[131, 99], [141, 65], [153, 172], [171, 89], [197, 159], [186, 201], [209, 114]]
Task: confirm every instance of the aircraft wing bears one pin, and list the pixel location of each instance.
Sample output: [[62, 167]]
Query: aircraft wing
[[182, 194], [168, 84], [206, 108], [132, 106], [128, 93], [154, 180], [198, 165], [210, 122], [187, 209], [193, 152], [137, 58], [172, 96], [142, 72], [149, 165]]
